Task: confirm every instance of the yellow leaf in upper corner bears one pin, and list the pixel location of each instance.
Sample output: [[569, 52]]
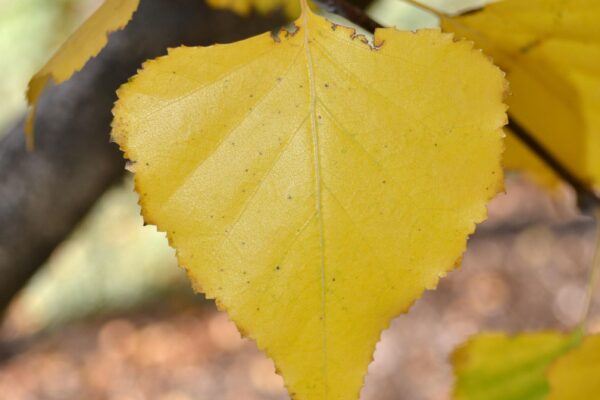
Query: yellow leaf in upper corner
[[494, 366], [86, 42], [316, 185], [244, 7], [576, 375], [550, 50]]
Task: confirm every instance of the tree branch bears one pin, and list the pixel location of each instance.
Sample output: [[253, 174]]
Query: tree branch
[[351, 12]]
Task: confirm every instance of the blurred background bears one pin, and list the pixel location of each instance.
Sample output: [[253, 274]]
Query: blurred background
[[111, 316]]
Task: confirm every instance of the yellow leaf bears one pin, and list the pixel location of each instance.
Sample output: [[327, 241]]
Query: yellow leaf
[[550, 50], [494, 366], [244, 7], [86, 42], [315, 185], [575, 376], [518, 157]]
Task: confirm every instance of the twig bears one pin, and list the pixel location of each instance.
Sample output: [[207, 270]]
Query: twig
[[587, 199], [351, 12]]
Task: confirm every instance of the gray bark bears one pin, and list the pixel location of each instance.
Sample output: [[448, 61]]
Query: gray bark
[[45, 193]]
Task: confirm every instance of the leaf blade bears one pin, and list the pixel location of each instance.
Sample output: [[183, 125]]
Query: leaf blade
[[240, 202]]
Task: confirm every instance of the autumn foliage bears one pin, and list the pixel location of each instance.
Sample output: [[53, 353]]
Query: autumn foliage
[[315, 182]]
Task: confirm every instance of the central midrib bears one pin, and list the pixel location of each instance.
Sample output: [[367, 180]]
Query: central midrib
[[318, 185]]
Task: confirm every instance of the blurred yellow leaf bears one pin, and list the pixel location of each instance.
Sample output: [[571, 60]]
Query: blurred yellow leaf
[[576, 375], [86, 42], [550, 50], [313, 184], [244, 7], [518, 157], [494, 366]]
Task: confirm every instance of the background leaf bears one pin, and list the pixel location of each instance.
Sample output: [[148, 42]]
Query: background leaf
[[518, 157], [245, 7], [575, 375], [494, 366], [550, 50]]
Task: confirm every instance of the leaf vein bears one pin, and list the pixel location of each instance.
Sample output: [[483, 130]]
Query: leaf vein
[[199, 89], [264, 177], [234, 129], [346, 133]]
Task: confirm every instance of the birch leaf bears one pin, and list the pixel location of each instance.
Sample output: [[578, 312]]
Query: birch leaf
[[245, 7], [550, 50], [86, 42], [316, 185], [495, 366], [574, 376]]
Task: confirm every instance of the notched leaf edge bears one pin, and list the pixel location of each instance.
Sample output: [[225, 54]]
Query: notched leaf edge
[[377, 44]]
